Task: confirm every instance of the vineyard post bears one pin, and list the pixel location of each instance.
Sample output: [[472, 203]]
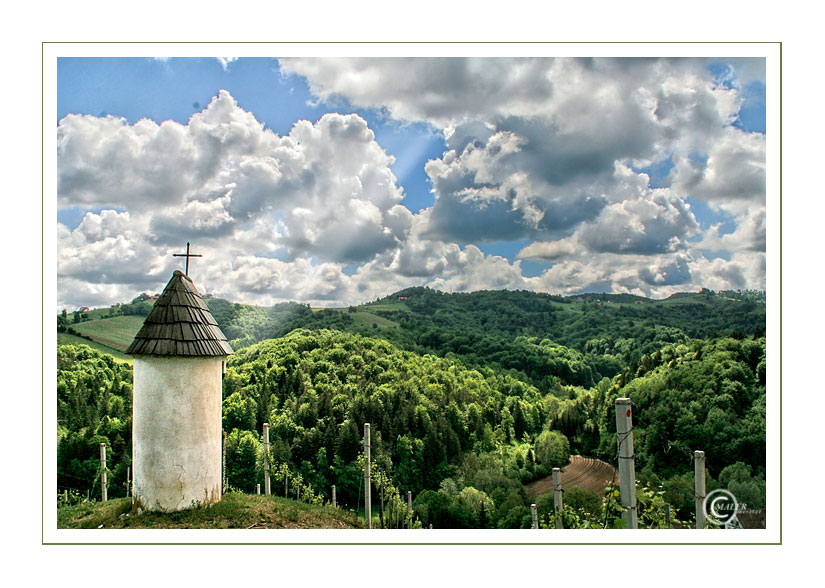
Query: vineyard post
[[267, 487], [334, 504], [409, 509], [103, 472], [128, 482], [627, 466], [367, 484], [557, 498], [257, 489], [699, 475], [535, 514], [381, 508], [286, 484], [667, 515]]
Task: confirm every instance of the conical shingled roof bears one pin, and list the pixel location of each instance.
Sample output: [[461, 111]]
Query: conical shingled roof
[[180, 324]]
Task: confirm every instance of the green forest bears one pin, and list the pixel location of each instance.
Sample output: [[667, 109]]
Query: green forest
[[470, 397]]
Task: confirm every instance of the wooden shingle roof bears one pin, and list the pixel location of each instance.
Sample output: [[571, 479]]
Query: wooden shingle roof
[[180, 324]]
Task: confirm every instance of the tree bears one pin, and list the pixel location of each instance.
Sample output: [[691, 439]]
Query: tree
[[242, 449], [552, 449]]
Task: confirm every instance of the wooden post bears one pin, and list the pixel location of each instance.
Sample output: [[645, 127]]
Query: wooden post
[[257, 489], [535, 514], [627, 465], [267, 488], [409, 509], [334, 504], [699, 475], [223, 462], [667, 515], [557, 498], [286, 484], [367, 484], [103, 472]]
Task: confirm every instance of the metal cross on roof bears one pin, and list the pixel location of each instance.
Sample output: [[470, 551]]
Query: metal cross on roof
[[187, 255]]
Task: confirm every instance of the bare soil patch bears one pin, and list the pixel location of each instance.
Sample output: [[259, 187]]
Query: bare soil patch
[[584, 472]]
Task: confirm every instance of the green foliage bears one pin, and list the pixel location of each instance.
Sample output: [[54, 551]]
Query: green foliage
[[552, 449], [470, 397], [94, 406], [705, 395], [582, 499]]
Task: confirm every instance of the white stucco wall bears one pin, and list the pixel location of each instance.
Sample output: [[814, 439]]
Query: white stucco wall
[[176, 432]]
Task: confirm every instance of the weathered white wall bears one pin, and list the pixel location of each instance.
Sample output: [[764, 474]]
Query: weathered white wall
[[176, 432]]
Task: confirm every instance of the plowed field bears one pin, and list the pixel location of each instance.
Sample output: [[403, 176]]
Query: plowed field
[[584, 472]]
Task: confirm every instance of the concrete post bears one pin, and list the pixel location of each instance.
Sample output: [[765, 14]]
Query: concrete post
[[627, 464], [257, 489], [667, 515], [334, 503], [103, 472], [381, 506], [409, 509], [128, 482], [699, 475], [557, 497], [223, 461], [535, 514], [367, 484], [267, 488]]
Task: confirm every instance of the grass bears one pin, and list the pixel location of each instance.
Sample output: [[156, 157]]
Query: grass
[[115, 332], [370, 319], [234, 511], [390, 306], [67, 339]]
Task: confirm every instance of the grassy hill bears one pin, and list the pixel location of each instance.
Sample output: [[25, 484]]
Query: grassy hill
[[234, 511], [69, 339], [115, 332]]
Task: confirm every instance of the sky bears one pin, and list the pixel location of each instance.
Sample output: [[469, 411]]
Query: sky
[[335, 181]]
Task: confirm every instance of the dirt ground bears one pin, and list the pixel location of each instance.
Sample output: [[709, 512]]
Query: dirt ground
[[584, 472]]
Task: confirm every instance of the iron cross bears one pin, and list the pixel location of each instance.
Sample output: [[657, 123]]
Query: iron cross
[[187, 255]]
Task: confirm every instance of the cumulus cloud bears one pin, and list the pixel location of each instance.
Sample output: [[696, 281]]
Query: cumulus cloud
[[539, 150], [732, 174], [640, 220]]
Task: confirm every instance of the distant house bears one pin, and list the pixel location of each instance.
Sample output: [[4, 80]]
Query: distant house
[[84, 308], [402, 298]]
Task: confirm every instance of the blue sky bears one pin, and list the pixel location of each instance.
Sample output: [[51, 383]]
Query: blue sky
[[558, 175]]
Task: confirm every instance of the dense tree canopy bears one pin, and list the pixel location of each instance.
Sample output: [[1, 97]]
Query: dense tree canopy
[[469, 397]]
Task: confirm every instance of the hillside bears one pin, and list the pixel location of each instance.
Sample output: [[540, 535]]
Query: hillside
[[471, 397], [234, 511]]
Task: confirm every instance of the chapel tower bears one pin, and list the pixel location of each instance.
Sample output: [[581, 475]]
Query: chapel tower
[[179, 360]]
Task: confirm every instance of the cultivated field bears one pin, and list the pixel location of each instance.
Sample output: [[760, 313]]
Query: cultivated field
[[116, 332], [584, 472]]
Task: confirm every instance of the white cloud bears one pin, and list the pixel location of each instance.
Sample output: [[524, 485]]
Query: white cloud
[[539, 150], [226, 61], [325, 190]]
